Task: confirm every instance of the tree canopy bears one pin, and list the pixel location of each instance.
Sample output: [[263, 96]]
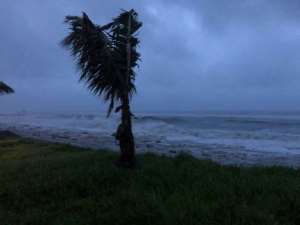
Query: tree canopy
[[101, 54]]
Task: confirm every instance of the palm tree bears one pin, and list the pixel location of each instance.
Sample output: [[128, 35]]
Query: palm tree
[[5, 89], [106, 56]]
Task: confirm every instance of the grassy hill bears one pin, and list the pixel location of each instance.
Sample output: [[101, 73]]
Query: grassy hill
[[52, 184]]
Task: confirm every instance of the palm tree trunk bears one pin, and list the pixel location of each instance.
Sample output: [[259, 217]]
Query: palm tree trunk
[[126, 139], [125, 136]]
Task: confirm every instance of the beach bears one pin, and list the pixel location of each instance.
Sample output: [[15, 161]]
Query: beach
[[240, 139]]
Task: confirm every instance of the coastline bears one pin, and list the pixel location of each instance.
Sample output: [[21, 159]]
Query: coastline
[[98, 141]]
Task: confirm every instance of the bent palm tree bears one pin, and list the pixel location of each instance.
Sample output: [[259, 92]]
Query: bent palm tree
[[107, 56], [5, 89]]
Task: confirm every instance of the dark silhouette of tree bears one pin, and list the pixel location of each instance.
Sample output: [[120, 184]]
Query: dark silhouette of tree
[[5, 89], [106, 56]]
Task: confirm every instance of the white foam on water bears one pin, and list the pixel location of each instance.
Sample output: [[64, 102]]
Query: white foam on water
[[243, 134]]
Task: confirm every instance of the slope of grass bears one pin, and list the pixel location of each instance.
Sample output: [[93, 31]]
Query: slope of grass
[[42, 183]]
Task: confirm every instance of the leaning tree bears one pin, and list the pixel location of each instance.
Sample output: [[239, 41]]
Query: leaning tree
[[5, 89], [106, 57]]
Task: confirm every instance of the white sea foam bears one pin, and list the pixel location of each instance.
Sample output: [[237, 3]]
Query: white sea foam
[[226, 138]]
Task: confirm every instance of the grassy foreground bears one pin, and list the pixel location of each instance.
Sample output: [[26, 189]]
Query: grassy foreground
[[42, 183]]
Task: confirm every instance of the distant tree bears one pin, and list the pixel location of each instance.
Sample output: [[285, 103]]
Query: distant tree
[[5, 89], [106, 56]]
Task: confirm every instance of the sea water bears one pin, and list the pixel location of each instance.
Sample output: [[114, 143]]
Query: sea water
[[226, 135]]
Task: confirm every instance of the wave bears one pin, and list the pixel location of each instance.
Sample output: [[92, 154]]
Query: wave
[[167, 120], [234, 131]]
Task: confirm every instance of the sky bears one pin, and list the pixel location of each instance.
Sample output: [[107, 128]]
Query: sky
[[196, 55]]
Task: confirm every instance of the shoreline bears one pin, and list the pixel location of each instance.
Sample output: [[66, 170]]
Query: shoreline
[[98, 141]]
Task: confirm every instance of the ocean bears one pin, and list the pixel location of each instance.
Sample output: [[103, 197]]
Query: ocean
[[229, 138]]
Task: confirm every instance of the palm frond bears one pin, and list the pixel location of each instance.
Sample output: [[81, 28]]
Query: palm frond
[[119, 29], [5, 89], [100, 54]]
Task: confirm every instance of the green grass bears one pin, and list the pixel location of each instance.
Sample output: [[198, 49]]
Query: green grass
[[42, 183]]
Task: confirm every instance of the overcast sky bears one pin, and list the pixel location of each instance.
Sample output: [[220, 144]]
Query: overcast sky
[[196, 55]]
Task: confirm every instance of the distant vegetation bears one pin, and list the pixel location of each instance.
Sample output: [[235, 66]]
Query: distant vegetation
[[107, 56], [46, 184], [5, 89]]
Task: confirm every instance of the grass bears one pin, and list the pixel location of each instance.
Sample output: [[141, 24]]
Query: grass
[[42, 183]]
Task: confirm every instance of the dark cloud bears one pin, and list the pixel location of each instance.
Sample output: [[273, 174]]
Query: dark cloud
[[197, 55]]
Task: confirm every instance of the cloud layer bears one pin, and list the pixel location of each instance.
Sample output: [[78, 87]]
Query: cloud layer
[[204, 55]]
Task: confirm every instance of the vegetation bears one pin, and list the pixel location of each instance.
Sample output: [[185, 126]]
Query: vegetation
[[48, 184], [107, 56], [5, 89]]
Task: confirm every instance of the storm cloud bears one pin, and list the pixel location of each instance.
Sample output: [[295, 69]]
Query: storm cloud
[[196, 55]]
